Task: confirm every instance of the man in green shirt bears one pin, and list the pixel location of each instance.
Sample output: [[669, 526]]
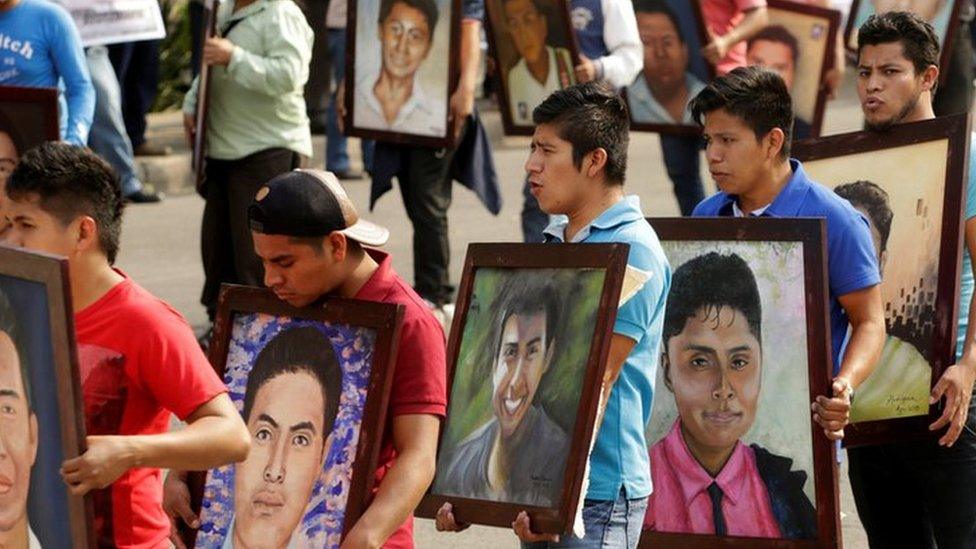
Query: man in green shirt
[[257, 127]]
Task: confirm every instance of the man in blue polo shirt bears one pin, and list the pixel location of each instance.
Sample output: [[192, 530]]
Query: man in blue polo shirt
[[747, 117], [919, 493]]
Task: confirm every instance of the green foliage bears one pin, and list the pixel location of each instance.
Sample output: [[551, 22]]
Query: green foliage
[[560, 388], [174, 57]]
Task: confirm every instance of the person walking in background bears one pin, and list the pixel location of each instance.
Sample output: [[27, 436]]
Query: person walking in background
[[42, 49], [257, 127], [137, 67], [611, 51], [336, 155], [108, 137]]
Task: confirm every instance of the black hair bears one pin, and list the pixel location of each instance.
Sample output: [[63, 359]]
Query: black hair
[[756, 95], [918, 40], [710, 282], [779, 35], [10, 326], [426, 7], [874, 200], [72, 181], [590, 116], [662, 7], [537, 4], [298, 350]]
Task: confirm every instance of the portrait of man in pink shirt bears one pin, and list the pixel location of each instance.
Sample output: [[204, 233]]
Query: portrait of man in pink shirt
[[706, 479]]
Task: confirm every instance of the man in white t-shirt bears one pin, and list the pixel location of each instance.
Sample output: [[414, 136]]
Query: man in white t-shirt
[[541, 69]]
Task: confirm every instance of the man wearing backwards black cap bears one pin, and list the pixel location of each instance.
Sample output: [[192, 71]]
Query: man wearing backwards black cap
[[312, 243]]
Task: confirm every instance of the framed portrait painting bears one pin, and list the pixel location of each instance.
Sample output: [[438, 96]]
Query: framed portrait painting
[[943, 15], [41, 406], [312, 385], [526, 358], [534, 49], [28, 117], [909, 183], [401, 67], [736, 458], [799, 44], [673, 34]]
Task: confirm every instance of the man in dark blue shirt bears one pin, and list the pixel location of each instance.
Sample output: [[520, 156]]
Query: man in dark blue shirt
[[747, 119]]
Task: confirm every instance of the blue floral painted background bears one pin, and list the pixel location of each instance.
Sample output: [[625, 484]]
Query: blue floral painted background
[[322, 523]]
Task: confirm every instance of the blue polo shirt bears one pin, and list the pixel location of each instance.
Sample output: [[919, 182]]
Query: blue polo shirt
[[619, 458], [851, 263]]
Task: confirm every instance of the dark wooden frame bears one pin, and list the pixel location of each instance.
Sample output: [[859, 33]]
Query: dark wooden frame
[[812, 234], [203, 99], [384, 318], [52, 272], [453, 77], [945, 51], [47, 97], [612, 258], [831, 18], [955, 129], [679, 129], [510, 128]]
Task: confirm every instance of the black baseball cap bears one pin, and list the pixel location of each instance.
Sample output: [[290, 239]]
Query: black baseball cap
[[306, 203]]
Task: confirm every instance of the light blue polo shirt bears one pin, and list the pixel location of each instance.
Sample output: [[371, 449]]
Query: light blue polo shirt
[[619, 458], [851, 263], [966, 280]]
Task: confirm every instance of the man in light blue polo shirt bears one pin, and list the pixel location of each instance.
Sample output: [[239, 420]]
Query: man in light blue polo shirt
[[576, 171], [747, 117]]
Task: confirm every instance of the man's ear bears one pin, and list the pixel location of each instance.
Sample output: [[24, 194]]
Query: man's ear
[[85, 233], [666, 367], [930, 77], [597, 162], [776, 139], [33, 438], [338, 246]]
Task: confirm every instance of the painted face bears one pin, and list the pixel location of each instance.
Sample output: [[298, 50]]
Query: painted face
[[521, 361], [297, 273], [528, 28], [735, 156], [715, 367], [33, 228], [405, 38], [8, 155], [775, 56], [887, 84], [665, 55], [274, 484], [553, 178], [18, 438]]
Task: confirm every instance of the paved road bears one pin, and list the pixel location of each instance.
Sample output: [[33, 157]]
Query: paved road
[[160, 249]]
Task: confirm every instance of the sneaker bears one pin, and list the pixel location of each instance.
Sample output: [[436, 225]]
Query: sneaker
[[148, 149], [348, 175], [142, 196]]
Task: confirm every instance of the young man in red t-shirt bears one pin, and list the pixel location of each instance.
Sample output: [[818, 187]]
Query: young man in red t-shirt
[[311, 241], [139, 360]]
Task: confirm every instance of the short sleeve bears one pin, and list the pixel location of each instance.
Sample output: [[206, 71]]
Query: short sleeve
[[420, 376], [634, 318], [473, 9], [173, 369], [851, 260]]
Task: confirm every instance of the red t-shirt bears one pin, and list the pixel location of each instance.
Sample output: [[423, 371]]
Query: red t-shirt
[[420, 374], [139, 362]]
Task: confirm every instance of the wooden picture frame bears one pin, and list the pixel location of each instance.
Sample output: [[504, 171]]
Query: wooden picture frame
[[821, 26], [601, 269], [778, 253], [822, 159], [860, 10], [442, 56], [561, 47], [199, 152], [65, 520], [693, 32], [351, 322], [31, 114]]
